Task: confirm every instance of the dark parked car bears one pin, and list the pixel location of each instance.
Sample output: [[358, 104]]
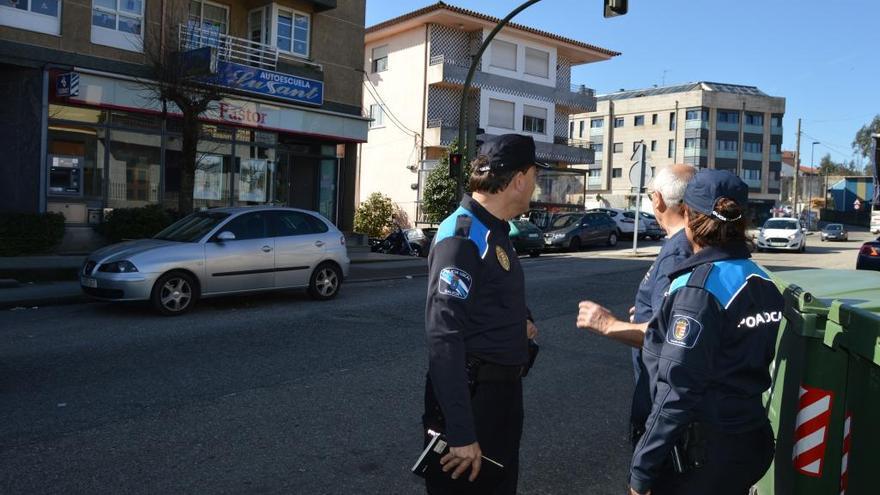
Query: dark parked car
[[834, 232], [653, 230], [573, 230], [869, 256], [526, 237]]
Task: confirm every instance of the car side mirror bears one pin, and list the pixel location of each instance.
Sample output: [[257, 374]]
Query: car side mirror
[[803, 229], [226, 236]]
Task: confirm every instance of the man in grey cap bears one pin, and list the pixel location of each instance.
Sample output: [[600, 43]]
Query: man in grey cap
[[477, 323]]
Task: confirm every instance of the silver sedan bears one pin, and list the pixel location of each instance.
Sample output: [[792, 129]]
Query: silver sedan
[[218, 252]]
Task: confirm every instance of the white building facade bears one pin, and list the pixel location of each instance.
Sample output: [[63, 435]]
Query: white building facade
[[415, 68]]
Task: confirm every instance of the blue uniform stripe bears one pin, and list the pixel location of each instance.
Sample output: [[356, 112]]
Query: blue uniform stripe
[[479, 233], [726, 280]]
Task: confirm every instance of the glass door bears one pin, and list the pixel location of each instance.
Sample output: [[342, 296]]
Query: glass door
[[327, 189]]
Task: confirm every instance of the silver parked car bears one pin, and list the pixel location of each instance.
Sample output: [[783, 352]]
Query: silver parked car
[[221, 251]]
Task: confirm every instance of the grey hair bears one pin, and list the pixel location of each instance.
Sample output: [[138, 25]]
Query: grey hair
[[671, 181]]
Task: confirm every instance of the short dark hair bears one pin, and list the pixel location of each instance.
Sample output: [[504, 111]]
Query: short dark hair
[[708, 230], [489, 181]]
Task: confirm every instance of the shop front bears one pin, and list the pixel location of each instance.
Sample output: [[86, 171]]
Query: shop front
[[110, 147]]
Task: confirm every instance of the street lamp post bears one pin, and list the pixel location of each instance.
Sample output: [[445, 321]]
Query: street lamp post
[[810, 184]]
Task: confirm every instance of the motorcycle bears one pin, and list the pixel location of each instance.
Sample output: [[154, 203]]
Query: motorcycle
[[395, 243]]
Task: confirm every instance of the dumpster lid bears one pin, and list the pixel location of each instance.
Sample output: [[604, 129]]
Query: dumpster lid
[[858, 288]]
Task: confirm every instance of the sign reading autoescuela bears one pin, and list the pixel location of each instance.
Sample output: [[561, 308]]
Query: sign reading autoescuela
[[270, 83]]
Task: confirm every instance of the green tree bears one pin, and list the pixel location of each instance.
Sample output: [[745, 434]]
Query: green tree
[[827, 166], [862, 143], [373, 216], [439, 199]]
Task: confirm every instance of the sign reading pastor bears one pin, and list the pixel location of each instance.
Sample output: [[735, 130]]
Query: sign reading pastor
[[270, 83]]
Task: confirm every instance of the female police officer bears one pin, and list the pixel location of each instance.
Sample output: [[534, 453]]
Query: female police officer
[[708, 353]]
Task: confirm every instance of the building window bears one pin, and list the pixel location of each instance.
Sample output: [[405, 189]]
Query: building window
[[697, 114], [654, 119], [503, 55], [725, 145], [42, 16], [617, 148], [639, 120], [209, 16], [377, 113], [775, 121], [774, 148], [594, 172], [618, 122], [754, 119], [670, 148], [501, 113], [730, 117], [581, 131], [380, 59], [118, 23], [537, 63], [597, 123], [534, 119], [654, 145], [133, 169], [751, 174], [616, 173], [571, 130], [292, 28], [671, 121], [752, 147], [597, 147], [691, 143]]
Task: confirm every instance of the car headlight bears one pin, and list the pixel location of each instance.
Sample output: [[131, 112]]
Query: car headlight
[[792, 237], [118, 267]]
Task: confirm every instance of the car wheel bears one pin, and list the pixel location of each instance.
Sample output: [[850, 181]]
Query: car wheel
[[803, 246], [612, 239], [325, 282], [174, 294], [416, 250], [822, 239], [574, 244], [760, 250], [534, 253]]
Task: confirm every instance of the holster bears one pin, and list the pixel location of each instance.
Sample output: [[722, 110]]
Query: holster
[[689, 452]]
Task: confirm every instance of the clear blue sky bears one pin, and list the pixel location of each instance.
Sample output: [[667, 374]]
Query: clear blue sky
[[823, 56]]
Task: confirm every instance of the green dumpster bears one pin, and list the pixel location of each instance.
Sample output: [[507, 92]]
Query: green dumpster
[[826, 377]]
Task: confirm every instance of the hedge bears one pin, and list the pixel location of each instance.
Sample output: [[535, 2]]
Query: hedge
[[29, 233], [135, 223]]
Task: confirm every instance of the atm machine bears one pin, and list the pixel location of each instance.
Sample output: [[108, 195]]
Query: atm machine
[[65, 175]]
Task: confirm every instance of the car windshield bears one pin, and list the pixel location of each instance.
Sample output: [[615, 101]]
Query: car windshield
[[781, 224], [564, 221], [524, 225], [834, 227], [192, 228]]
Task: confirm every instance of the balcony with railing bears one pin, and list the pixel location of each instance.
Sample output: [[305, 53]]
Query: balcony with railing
[[594, 183], [696, 124], [243, 51], [443, 70]]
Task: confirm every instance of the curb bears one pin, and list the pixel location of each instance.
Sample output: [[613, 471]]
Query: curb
[[37, 302]]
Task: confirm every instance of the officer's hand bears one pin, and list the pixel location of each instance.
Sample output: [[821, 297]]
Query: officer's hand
[[531, 330], [594, 317], [460, 458], [632, 314]]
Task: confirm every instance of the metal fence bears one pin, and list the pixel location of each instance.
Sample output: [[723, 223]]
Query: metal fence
[[229, 48]]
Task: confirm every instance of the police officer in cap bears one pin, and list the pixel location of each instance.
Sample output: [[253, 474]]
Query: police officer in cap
[[707, 354], [477, 323]]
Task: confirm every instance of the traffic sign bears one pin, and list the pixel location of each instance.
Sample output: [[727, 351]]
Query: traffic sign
[[635, 171], [857, 204]]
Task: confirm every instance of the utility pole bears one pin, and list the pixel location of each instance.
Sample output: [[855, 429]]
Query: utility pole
[[797, 168]]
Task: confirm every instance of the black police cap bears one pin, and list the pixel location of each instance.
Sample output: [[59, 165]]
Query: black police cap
[[509, 152]]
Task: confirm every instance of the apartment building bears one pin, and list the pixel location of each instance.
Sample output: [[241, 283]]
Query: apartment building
[[416, 65], [707, 124], [84, 133]]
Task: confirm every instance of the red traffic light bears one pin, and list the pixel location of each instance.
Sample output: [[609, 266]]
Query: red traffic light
[[455, 165]]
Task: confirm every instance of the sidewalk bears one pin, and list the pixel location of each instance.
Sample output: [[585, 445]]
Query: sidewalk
[[29, 281]]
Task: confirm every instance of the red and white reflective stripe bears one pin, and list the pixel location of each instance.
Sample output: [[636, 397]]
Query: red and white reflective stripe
[[844, 461], [811, 430]]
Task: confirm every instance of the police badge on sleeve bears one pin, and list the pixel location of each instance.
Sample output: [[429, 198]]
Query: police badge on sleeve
[[455, 282], [684, 331]]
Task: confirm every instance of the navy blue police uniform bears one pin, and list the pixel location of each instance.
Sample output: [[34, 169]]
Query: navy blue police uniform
[[649, 299], [707, 354], [475, 321]]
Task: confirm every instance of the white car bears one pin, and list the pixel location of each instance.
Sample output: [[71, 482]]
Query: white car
[[218, 252], [625, 220], [782, 233]]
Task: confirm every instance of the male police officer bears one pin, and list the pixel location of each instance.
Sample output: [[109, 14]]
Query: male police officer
[[476, 319], [667, 197]]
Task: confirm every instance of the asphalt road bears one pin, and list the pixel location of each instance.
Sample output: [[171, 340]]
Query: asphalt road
[[280, 394]]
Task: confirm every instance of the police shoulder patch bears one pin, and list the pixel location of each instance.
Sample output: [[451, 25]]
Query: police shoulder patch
[[454, 282], [684, 331]]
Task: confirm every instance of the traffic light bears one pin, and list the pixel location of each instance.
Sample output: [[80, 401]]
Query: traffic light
[[455, 165], [615, 7]]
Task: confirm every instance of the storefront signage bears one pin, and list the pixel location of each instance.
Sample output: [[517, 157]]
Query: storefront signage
[[67, 84], [270, 83], [241, 115]]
